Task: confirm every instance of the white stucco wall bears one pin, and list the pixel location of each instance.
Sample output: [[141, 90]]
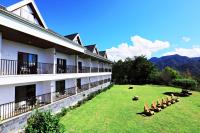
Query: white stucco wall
[[84, 81], [7, 94], [69, 58], [70, 83], [94, 79], [94, 63], [85, 61], [11, 49]]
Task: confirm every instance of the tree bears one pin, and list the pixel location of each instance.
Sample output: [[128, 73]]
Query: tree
[[141, 69], [169, 74], [132, 71]]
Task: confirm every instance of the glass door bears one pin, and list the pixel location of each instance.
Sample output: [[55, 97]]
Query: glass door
[[27, 63], [60, 87], [80, 67], [61, 65]]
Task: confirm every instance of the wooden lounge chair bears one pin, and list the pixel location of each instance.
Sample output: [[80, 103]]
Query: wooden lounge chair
[[177, 99], [159, 104], [168, 101], [155, 108], [163, 104], [173, 99], [147, 111]]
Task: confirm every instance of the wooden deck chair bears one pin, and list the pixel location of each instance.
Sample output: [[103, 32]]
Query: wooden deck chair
[[159, 104], [147, 111], [154, 107], [163, 104], [173, 99], [168, 101]]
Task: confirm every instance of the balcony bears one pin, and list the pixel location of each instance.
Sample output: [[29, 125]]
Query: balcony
[[60, 95], [94, 84], [15, 108], [66, 69], [83, 88], [13, 67], [84, 69], [94, 69], [11, 109]]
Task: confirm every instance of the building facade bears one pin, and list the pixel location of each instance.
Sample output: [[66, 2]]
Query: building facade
[[41, 67]]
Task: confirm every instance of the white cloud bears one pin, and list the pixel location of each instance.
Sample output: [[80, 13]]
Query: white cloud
[[139, 46], [186, 39], [190, 52]]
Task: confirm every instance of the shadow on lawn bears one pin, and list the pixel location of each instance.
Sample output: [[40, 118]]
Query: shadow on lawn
[[175, 94], [142, 114], [170, 93]]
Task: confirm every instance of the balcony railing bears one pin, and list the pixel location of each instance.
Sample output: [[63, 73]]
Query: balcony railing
[[94, 84], [66, 69], [84, 69], [71, 69], [15, 108], [83, 88], [68, 92], [94, 69], [101, 69], [100, 82], [11, 109], [13, 67]]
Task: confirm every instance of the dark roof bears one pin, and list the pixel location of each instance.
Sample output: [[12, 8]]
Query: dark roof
[[102, 53], [2, 7], [71, 36], [87, 52], [90, 47]]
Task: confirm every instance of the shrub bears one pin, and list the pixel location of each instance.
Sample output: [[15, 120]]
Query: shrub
[[185, 83], [63, 112], [43, 122]]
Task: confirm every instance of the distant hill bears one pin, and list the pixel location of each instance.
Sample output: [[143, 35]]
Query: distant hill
[[180, 63]]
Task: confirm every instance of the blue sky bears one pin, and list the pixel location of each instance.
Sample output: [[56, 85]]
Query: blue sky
[[112, 23]]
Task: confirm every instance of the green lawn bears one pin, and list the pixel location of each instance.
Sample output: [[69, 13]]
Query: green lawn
[[113, 111]]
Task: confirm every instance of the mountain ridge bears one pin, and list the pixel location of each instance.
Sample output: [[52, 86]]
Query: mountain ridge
[[181, 63]]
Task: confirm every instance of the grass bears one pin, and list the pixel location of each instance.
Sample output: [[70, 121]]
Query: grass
[[114, 111]]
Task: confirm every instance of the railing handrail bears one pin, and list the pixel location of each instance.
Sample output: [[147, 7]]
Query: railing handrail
[[27, 61]]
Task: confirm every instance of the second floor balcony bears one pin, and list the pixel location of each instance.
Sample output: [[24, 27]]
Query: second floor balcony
[[16, 67]]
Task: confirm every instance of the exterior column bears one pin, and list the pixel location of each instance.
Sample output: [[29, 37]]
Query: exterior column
[[75, 84], [51, 53], [0, 43], [53, 89]]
